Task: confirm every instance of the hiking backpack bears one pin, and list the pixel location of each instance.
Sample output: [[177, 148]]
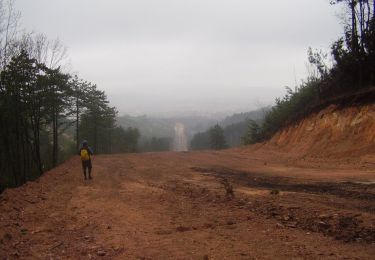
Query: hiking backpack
[[85, 155]]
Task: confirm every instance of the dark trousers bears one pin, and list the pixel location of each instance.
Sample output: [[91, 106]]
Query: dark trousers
[[86, 165]]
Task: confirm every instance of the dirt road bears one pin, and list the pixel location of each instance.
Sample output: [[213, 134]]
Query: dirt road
[[175, 206]]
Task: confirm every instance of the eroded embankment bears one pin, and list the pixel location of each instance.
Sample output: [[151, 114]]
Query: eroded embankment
[[333, 132]]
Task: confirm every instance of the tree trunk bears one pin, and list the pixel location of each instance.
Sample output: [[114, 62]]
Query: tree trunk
[[77, 124], [54, 134], [95, 137], [354, 27]]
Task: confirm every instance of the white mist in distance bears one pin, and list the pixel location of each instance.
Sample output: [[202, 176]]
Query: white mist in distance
[[180, 138], [191, 57]]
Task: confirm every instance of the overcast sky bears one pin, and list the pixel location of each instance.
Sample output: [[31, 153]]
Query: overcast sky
[[179, 56]]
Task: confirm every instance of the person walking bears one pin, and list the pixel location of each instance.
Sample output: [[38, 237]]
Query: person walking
[[86, 152]]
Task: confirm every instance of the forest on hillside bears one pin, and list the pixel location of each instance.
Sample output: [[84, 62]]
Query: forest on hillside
[[46, 112], [229, 132], [157, 133]]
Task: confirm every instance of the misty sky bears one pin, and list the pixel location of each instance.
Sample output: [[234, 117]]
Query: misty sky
[[184, 56]]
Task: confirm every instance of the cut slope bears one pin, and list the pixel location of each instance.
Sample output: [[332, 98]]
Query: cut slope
[[332, 132]]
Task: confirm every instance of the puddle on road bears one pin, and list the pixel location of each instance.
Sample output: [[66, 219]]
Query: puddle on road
[[258, 192], [365, 182]]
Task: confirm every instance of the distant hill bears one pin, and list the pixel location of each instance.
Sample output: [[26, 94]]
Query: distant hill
[[234, 126], [148, 126], [164, 127], [256, 115]]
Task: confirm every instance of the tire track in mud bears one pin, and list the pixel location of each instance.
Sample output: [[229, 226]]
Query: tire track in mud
[[336, 220], [349, 190]]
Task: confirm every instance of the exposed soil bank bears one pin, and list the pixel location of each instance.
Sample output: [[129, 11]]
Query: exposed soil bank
[[332, 132]]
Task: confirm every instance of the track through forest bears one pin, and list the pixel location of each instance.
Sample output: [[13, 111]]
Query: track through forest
[[175, 206]]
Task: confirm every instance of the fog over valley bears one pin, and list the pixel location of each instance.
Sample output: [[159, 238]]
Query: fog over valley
[[167, 58]]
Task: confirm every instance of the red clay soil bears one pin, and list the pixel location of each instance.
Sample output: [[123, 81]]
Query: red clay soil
[[180, 206], [332, 132]]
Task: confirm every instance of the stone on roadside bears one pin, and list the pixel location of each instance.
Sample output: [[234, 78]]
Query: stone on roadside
[[101, 253]]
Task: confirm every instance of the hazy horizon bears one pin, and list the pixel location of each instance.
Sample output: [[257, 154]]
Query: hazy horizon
[[165, 58]]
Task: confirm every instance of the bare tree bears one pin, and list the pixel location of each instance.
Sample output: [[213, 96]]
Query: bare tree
[[9, 19], [51, 53]]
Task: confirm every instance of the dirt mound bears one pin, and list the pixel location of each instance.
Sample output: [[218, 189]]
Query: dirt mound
[[333, 132]]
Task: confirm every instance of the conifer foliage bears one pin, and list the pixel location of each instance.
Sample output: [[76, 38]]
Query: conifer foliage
[[40, 105], [217, 139], [44, 112]]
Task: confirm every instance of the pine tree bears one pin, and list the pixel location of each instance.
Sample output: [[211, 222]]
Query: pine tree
[[253, 134], [217, 139], [21, 118]]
